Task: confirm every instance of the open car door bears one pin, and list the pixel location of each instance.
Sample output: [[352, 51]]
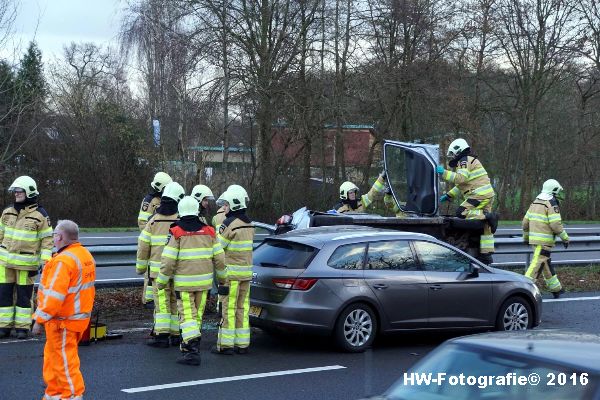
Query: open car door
[[410, 169]]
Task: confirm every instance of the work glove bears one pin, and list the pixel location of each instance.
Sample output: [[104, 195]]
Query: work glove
[[386, 189], [444, 198], [439, 169], [383, 175], [32, 273], [566, 244]]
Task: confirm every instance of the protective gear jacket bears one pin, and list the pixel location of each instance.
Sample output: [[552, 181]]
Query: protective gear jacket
[[236, 236], [543, 222], [470, 178], [151, 242], [25, 238], [191, 258], [147, 209], [66, 291]]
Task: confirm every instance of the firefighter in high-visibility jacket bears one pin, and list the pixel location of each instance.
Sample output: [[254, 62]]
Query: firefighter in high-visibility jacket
[[236, 236], [541, 224], [189, 260], [219, 217], [350, 200], [151, 242], [203, 196], [65, 301], [149, 204], [473, 184], [25, 245]]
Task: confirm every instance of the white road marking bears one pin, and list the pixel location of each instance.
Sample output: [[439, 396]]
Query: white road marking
[[20, 341], [232, 378], [571, 299]]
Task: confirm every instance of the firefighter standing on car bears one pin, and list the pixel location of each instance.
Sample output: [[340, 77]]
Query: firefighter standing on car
[[147, 209], [350, 200], [473, 183], [220, 215], [236, 236], [25, 245], [541, 225], [203, 196], [150, 246], [189, 260]]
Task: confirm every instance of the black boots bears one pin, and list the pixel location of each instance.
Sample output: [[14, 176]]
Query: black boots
[[240, 350], [556, 295], [227, 351], [190, 353], [485, 258], [4, 333], [21, 333], [175, 340], [160, 340]]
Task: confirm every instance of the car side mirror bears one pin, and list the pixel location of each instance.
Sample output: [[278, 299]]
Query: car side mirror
[[474, 271]]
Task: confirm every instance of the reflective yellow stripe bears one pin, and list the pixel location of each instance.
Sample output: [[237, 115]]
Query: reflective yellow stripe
[[477, 173], [145, 236], [534, 261]]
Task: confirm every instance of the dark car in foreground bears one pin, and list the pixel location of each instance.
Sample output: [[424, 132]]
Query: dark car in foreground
[[538, 364], [355, 282]]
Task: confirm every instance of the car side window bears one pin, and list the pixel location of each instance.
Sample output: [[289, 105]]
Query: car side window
[[349, 256], [391, 255], [437, 258]]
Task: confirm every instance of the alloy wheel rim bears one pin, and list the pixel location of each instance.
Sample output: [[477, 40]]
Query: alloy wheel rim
[[516, 317], [358, 328]]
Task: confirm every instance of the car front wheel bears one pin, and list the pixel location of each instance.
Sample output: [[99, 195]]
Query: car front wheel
[[356, 328], [514, 315]]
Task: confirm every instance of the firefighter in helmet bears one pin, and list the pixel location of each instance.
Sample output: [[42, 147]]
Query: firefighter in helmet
[[541, 225], [25, 245], [204, 196], [472, 182], [351, 201]]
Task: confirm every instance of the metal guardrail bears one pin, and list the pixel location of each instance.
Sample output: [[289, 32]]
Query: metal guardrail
[[583, 244]]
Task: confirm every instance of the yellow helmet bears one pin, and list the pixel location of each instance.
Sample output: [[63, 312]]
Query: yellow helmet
[[235, 197], [456, 147], [200, 192], [188, 206], [27, 184], [346, 188], [161, 179], [241, 190], [174, 191], [551, 186]]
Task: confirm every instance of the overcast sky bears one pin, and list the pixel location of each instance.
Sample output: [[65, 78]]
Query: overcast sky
[[56, 23]]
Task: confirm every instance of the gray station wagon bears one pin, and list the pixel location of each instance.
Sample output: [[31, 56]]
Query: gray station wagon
[[354, 282]]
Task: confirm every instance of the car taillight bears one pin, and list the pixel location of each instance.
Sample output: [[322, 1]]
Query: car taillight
[[294, 283]]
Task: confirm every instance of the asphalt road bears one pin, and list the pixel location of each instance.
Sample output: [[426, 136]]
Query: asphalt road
[[294, 368]]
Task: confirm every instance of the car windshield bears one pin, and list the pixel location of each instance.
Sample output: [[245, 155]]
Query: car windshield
[[495, 376], [282, 254]]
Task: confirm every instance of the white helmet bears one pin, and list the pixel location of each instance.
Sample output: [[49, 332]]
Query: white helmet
[[188, 206], [161, 179], [457, 147], [235, 197], [552, 187], [27, 184], [174, 191], [200, 192], [346, 188], [242, 190]]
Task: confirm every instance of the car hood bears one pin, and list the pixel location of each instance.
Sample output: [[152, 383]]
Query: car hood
[[509, 274]]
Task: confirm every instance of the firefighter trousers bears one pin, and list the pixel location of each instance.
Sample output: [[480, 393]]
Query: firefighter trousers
[[476, 209], [61, 363], [191, 310], [165, 310], [16, 291], [234, 329], [147, 293], [541, 263]]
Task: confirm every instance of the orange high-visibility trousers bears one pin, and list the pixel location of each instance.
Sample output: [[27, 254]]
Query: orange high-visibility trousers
[[61, 363]]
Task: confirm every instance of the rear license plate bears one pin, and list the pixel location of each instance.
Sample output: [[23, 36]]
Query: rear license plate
[[255, 311]]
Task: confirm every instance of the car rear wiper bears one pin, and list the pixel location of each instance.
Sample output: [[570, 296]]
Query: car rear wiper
[[272, 265]]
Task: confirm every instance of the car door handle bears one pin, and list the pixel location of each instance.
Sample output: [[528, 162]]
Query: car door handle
[[436, 287], [380, 286]]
